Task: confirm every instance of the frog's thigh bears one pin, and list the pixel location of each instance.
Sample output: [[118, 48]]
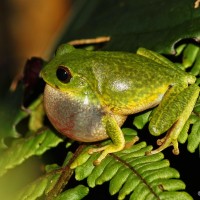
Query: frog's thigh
[[116, 135], [174, 115]]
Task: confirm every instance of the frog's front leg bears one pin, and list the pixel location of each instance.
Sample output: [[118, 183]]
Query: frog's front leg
[[172, 114], [114, 132]]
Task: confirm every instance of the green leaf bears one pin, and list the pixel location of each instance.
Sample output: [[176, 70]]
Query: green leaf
[[10, 114], [196, 68], [191, 132], [23, 148], [46, 185], [155, 24], [194, 136], [129, 132], [140, 120], [38, 187], [76, 193], [131, 172], [37, 114], [175, 196], [189, 55]]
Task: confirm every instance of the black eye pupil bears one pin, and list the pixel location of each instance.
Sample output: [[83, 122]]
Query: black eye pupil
[[63, 74]]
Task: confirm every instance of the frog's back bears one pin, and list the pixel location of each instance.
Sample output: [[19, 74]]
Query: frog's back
[[132, 81], [125, 82]]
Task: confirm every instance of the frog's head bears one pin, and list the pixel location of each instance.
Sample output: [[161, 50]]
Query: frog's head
[[65, 71], [69, 95]]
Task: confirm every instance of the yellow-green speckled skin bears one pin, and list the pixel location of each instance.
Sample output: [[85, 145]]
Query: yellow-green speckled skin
[[105, 87], [110, 82]]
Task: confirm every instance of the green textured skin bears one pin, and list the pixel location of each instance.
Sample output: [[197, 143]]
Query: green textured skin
[[117, 84], [143, 82]]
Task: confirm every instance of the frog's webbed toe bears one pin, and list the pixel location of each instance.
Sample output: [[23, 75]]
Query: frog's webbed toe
[[105, 151], [112, 148], [165, 142], [171, 138]]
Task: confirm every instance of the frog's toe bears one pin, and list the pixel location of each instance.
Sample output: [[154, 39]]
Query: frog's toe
[[105, 151], [161, 141], [95, 150], [102, 156], [176, 149], [164, 143]]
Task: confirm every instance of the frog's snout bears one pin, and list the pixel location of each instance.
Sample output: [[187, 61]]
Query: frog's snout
[[41, 74], [44, 75]]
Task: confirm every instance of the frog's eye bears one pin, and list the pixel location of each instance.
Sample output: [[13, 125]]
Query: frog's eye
[[63, 74]]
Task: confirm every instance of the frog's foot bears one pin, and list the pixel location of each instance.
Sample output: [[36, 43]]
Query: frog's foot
[[105, 151], [111, 149], [165, 142]]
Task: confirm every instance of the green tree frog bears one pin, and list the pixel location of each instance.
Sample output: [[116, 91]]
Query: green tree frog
[[89, 95]]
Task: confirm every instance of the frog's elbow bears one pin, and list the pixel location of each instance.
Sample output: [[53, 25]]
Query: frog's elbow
[[191, 79], [154, 130]]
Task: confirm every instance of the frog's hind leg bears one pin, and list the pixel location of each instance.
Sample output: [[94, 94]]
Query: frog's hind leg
[[115, 133], [173, 116], [156, 57]]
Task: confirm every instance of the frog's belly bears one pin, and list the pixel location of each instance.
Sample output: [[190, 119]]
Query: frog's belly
[[78, 120]]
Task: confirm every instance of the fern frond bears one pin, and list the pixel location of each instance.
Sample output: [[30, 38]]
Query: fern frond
[[23, 148], [39, 187], [194, 137], [50, 185], [76, 193], [140, 120], [45, 183], [131, 172]]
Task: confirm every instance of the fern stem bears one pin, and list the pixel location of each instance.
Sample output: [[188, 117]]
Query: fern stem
[[65, 176], [137, 174]]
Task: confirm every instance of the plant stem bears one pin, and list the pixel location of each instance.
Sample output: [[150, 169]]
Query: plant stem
[[65, 176]]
